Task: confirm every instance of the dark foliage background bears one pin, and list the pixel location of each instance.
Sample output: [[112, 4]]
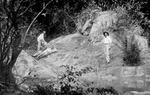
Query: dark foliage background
[[57, 18]]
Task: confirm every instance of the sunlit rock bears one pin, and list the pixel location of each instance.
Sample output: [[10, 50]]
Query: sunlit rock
[[102, 22], [78, 51], [72, 50]]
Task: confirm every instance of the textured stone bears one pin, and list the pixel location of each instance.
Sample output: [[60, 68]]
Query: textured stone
[[128, 71], [77, 51], [72, 50], [139, 71]]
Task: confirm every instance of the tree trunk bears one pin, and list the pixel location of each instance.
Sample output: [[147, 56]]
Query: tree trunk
[[6, 76]]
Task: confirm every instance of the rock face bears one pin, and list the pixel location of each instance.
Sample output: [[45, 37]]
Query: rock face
[[78, 51], [73, 50], [104, 21]]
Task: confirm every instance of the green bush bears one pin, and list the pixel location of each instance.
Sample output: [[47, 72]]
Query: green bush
[[131, 54]]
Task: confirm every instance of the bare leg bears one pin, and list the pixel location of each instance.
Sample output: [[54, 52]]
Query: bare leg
[[39, 54], [107, 53], [39, 46], [43, 53]]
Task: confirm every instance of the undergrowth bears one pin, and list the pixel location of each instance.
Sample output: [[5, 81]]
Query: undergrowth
[[69, 84], [126, 28], [131, 54], [65, 91]]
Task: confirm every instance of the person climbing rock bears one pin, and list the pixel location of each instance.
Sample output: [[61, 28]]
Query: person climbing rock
[[107, 41], [41, 41], [46, 52]]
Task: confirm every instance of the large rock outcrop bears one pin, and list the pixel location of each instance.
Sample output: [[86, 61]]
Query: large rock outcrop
[[78, 51], [73, 50]]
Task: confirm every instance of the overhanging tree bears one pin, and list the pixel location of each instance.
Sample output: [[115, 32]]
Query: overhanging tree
[[12, 19], [11, 13]]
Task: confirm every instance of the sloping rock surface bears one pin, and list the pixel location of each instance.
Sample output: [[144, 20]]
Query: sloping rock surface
[[73, 50], [77, 51]]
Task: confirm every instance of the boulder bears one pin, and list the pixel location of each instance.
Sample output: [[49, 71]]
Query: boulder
[[27, 66], [72, 50], [78, 51]]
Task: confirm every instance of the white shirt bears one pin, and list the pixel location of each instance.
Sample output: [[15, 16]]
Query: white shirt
[[40, 37], [107, 40]]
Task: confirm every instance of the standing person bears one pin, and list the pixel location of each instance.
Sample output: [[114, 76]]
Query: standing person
[[107, 42], [102, 20], [41, 41]]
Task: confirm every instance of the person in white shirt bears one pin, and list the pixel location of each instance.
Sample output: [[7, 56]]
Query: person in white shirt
[[107, 41], [41, 41], [49, 49]]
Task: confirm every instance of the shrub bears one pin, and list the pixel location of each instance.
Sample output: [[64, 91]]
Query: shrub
[[129, 47], [48, 90], [127, 26], [69, 84], [131, 53]]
